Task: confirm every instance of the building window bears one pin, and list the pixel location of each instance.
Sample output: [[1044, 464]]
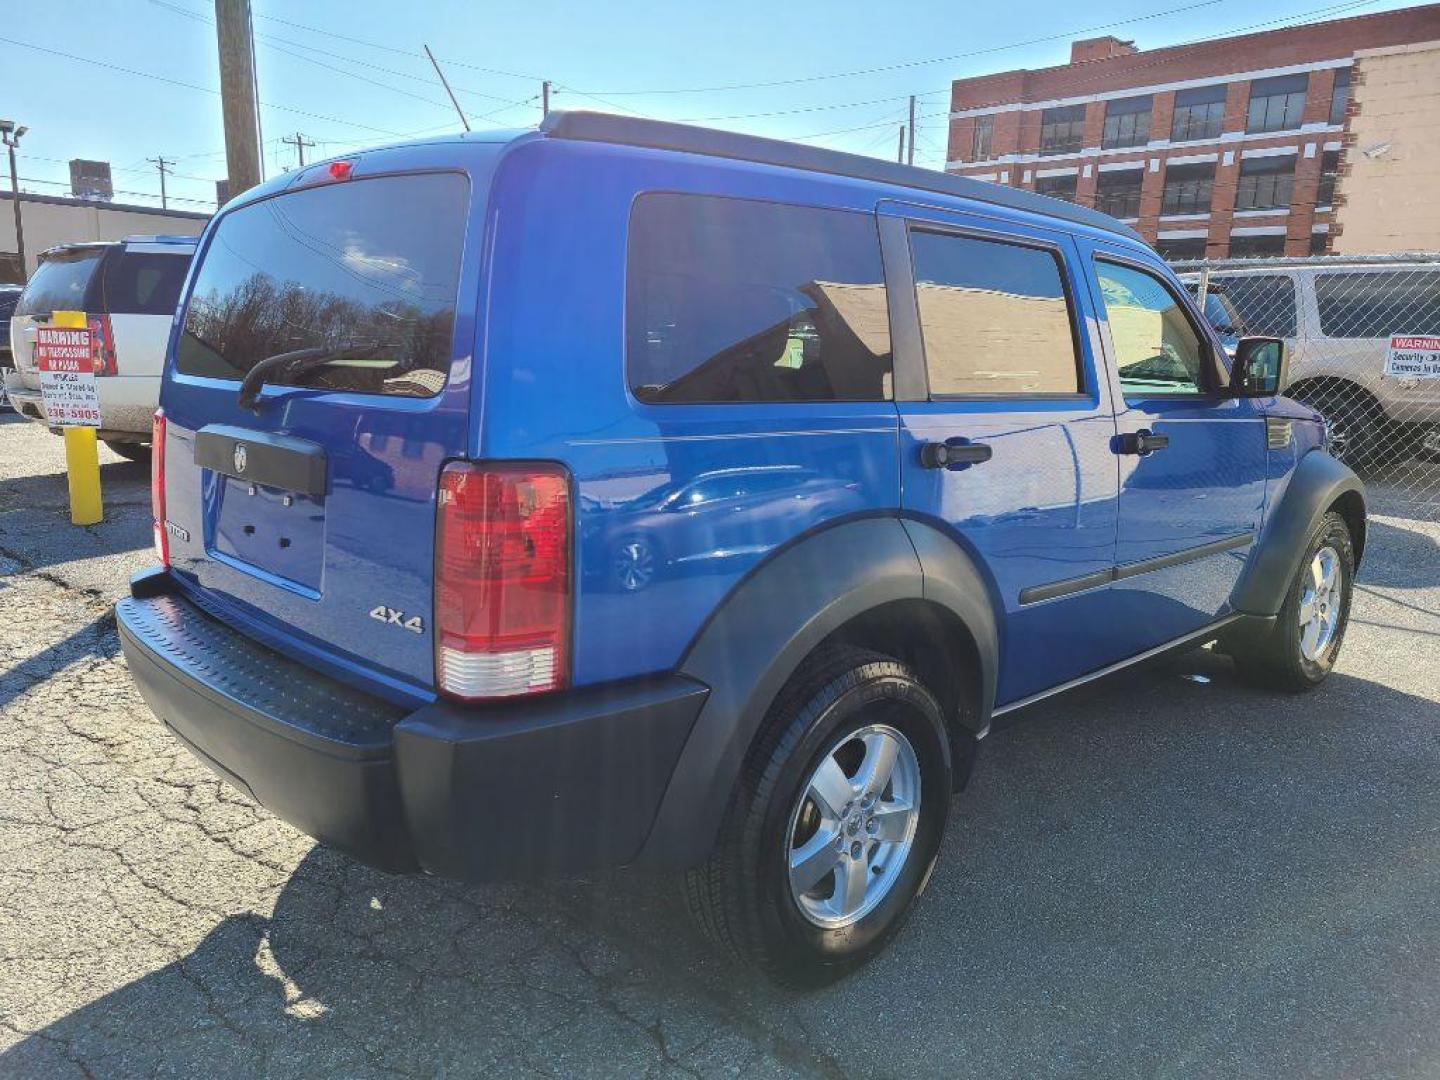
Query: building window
[[1057, 187], [1319, 243], [1340, 96], [1127, 122], [1176, 248], [1329, 173], [1265, 183], [994, 318], [1277, 104], [1188, 188], [1199, 114], [1062, 131], [980, 142], [1257, 247], [1117, 192]]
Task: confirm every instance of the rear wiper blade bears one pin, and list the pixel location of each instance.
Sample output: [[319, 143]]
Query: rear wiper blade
[[299, 361]]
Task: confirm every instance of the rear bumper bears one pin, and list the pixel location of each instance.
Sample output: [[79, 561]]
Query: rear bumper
[[557, 785]]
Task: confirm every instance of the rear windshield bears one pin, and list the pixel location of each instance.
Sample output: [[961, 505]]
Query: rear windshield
[[369, 266], [144, 283], [61, 283]]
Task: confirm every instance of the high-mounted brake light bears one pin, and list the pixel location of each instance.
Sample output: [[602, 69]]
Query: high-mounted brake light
[[157, 487], [502, 580], [340, 170]]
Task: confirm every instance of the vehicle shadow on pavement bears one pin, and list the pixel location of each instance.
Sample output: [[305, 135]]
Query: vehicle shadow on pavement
[[1163, 874], [1400, 558], [97, 640]]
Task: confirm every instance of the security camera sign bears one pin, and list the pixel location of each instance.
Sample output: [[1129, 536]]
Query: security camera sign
[[64, 359], [1413, 357]]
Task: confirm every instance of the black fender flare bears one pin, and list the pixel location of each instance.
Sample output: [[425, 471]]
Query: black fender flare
[[1318, 483], [761, 633]]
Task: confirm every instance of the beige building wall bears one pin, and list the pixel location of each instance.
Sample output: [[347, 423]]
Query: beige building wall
[[1393, 157], [49, 222]]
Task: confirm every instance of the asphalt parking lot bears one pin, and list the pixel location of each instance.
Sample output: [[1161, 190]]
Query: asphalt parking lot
[[1169, 875]]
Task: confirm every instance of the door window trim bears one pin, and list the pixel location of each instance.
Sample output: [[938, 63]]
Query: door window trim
[[1210, 364], [1055, 248]]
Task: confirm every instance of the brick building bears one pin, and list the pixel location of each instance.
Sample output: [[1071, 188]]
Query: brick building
[[1225, 147]]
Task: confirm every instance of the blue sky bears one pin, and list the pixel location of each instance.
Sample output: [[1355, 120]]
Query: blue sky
[[351, 74]]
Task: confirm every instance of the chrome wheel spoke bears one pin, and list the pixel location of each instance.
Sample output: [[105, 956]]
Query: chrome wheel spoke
[[811, 862], [892, 822], [1307, 607], [852, 880], [881, 750], [831, 788]]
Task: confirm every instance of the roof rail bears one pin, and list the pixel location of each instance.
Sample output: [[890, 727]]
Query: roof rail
[[664, 135], [162, 238]]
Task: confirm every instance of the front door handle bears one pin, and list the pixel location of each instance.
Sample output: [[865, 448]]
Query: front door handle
[[953, 454], [1142, 442]]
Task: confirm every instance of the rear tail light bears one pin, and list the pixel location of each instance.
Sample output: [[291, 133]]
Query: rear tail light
[[502, 580], [102, 346], [157, 487]]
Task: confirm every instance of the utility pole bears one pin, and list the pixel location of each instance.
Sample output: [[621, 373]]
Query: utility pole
[[900, 153], [163, 164], [910, 153], [11, 132], [545, 99], [300, 143], [237, 94]]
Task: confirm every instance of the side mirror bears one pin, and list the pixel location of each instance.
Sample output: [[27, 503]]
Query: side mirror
[[1258, 369]]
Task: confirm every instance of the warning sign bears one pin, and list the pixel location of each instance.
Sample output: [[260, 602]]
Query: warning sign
[[67, 376], [1412, 357]]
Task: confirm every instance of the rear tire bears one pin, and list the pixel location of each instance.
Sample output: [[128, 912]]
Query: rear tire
[[1301, 648], [130, 451], [843, 714]]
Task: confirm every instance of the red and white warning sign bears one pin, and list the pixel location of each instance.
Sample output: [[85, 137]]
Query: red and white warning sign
[[64, 359], [1413, 356]]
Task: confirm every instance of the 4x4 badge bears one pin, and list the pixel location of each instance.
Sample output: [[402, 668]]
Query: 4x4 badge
[[389, 615]]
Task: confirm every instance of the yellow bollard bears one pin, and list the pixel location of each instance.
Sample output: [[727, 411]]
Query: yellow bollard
[[82, 455]]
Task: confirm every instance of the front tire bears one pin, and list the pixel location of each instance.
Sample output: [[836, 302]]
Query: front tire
[[1301, 648], [835, 824]]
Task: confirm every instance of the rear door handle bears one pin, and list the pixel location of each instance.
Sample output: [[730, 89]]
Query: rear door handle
[[954, 454], [1142, 442]]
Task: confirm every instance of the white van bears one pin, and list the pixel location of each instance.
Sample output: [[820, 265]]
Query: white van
[[129, 288], [1337, 316]]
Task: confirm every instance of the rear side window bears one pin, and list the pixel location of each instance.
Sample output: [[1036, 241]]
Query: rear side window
[[368, 266], [1264, 304], [729, 300], [995, 317], [1376, 305], [144, 283], [61, 283]]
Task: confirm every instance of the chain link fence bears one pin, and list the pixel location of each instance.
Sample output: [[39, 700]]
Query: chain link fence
[[1362, 335]]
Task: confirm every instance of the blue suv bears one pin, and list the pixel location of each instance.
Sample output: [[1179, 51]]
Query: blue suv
[[625, 493]]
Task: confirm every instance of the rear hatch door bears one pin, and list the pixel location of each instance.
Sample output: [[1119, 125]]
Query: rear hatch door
[[309, 520]]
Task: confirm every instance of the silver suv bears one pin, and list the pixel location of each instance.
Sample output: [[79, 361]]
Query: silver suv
[[1338, 316]]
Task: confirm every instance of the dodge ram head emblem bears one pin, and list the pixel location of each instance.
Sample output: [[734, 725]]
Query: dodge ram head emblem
[[239, 457]]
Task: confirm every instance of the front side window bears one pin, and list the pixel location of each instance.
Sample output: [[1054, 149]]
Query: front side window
[[358, 278], [994, 317], [1378, 304], [1117, 192], [1261, 304], [983, 138], [1265, 182], [1199, 113], [1157, 351], [1062, 130], [1127, 122], [1277, 104], [1188, 188], [1340, 96], [730, 300]]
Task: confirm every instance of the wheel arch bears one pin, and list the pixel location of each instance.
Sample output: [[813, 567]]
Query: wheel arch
[[861, 581]]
